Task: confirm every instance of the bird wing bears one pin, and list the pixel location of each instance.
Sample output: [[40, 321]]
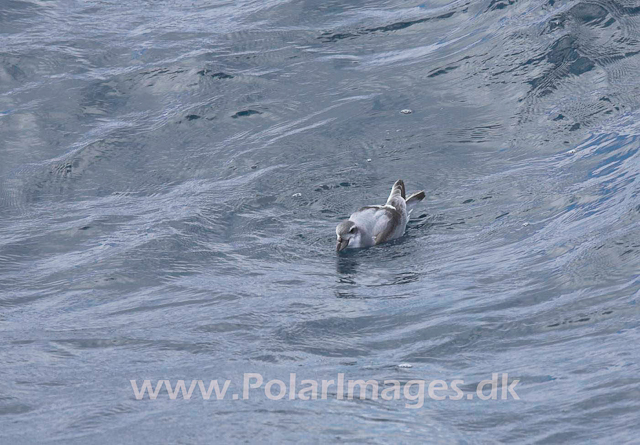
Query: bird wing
[[383, 223], [388, 221], [397, 191], [374, 221]]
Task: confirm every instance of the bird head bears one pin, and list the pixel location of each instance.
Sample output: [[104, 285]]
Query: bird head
[[346, 231]]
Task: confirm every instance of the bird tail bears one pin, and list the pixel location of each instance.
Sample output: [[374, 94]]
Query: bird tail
[[397, 189], [415, 199]]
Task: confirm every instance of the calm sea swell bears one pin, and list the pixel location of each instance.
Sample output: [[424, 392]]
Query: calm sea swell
[[171, 174]]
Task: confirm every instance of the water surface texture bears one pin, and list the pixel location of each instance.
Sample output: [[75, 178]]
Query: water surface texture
[[171, 174]]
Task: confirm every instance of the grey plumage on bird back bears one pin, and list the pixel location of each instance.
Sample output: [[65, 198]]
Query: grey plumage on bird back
[[375, 224]]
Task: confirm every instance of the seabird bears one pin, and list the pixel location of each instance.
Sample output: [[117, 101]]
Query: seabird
[[372, 225]]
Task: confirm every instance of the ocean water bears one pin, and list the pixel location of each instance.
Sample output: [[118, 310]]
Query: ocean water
[[172, 172]]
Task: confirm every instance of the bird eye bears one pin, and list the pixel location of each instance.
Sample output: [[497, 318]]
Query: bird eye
[[351, 230]]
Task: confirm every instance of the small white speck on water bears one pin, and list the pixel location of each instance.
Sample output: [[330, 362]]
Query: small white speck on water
[[406, 111], [572, 151], [405, 365], [525, 224], [296, 195], [368, 159]]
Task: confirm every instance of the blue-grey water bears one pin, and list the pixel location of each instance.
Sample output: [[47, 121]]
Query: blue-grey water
[[171, 174]]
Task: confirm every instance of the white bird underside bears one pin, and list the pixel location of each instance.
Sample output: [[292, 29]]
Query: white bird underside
[[376, 224]]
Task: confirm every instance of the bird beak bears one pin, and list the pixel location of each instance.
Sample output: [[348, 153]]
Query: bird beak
[[341, 244]]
